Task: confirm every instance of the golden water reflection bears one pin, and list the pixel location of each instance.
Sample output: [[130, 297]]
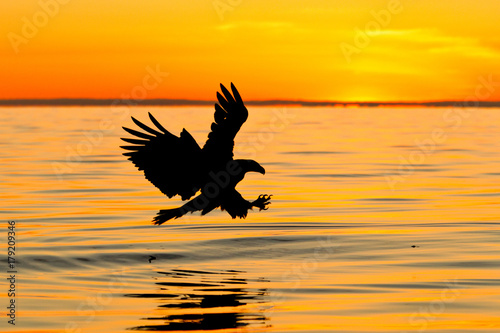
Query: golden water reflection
[[331, 172], [204, 300]]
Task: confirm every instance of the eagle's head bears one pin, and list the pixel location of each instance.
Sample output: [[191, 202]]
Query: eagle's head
[[250, 165]]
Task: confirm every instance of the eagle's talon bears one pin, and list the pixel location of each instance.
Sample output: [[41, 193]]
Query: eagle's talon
[[262, 202]]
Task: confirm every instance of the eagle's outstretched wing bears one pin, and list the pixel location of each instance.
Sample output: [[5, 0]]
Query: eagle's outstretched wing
[[171, 163], [229, 115]]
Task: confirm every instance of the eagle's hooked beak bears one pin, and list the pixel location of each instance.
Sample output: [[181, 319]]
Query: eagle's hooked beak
[[251, 165], [258, 168]]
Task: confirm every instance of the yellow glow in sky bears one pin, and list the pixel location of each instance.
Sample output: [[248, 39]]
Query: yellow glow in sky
[[362, 50]]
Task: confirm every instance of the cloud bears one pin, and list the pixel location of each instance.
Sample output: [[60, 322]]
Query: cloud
[[436, 42]]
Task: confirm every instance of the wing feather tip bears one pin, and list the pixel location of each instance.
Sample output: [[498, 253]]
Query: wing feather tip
[[236, 94], [145, 127], [157, 124], [129, 147]]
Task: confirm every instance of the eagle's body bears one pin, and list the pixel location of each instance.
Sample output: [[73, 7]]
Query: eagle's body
[[178, 166]]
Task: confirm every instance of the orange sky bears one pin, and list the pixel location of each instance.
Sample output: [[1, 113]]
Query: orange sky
[[315, 50]]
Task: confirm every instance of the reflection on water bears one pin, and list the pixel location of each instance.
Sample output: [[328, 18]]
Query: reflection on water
[[204, 300]]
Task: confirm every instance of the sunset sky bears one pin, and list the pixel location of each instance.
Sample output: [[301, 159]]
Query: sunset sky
[[358, 50]]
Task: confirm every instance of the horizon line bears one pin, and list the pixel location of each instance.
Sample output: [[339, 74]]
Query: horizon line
[[274, 102]]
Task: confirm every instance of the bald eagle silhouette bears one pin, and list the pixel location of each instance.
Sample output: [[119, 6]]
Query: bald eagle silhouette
[[178, 166]]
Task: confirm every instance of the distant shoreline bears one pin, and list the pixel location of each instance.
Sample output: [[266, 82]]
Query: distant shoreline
[[184, 102]]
